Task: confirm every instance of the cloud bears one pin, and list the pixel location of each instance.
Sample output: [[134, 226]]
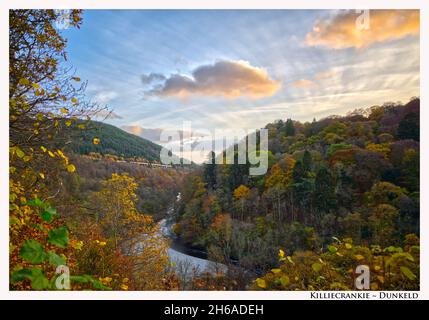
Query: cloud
[[105, 114], [305, 84], [341, 31], [152, 77], [154, 135], [325, 75], [230, 79], [104, 97]]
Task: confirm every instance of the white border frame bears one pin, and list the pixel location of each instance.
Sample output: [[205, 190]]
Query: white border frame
[[5, 5]]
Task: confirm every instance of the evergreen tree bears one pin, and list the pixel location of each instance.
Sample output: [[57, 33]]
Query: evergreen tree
[[210, 171], [290, 129], [409, 127], [324, 195]]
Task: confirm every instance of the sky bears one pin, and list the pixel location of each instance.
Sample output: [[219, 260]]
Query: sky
[[241, 69]]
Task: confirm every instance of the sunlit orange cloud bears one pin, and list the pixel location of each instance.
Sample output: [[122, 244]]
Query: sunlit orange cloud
[[136, 130], [230, 79], [325, 75], [305, 84], [342, 32]]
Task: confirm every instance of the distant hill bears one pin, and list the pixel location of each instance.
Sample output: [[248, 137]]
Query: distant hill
[[112, 140]]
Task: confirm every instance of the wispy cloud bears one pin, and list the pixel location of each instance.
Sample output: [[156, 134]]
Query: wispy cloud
[[305, 84], [230, 79], [105, 114], [325, 75], [104, 97], [341, 30]]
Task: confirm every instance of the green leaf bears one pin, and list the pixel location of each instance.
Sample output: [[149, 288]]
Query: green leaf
[[39, 281], [408, 273], [21, 275], [48, 214], [55, 259], [35, 275], [32, 251], [316, 267], [35, 203], [80, 279], [332, 249], [98, 285], [393, 249], [284, 280], [88, 279], [59, 237]]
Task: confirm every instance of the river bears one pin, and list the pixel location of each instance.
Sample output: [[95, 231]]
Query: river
[[187, 262]]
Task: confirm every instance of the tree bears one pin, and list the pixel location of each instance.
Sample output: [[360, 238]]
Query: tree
[[409, 127], [324, 191], [279, 181], [131, 232], [307, 161], [290, 128], [43, 98], [210, 171], [241, 194], [382, 224], [302, 187], [41, 91], [352, 225]]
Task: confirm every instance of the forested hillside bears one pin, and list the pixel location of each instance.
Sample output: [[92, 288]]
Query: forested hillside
[[340, 182], [112, 140]]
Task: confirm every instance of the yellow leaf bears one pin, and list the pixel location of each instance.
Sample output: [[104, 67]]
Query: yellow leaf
[[96, 141], [275, 270], [68, 123], [77, 79], [35, 85], [19, 152], [41, 175], [261, 283], [64, 110], [348, 246], [74, 100], [24, 82], [43, 148], [71, 168], [51, 154], [81, 126], [377, 268], [359, 257], [281, 253], [124, 287]]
